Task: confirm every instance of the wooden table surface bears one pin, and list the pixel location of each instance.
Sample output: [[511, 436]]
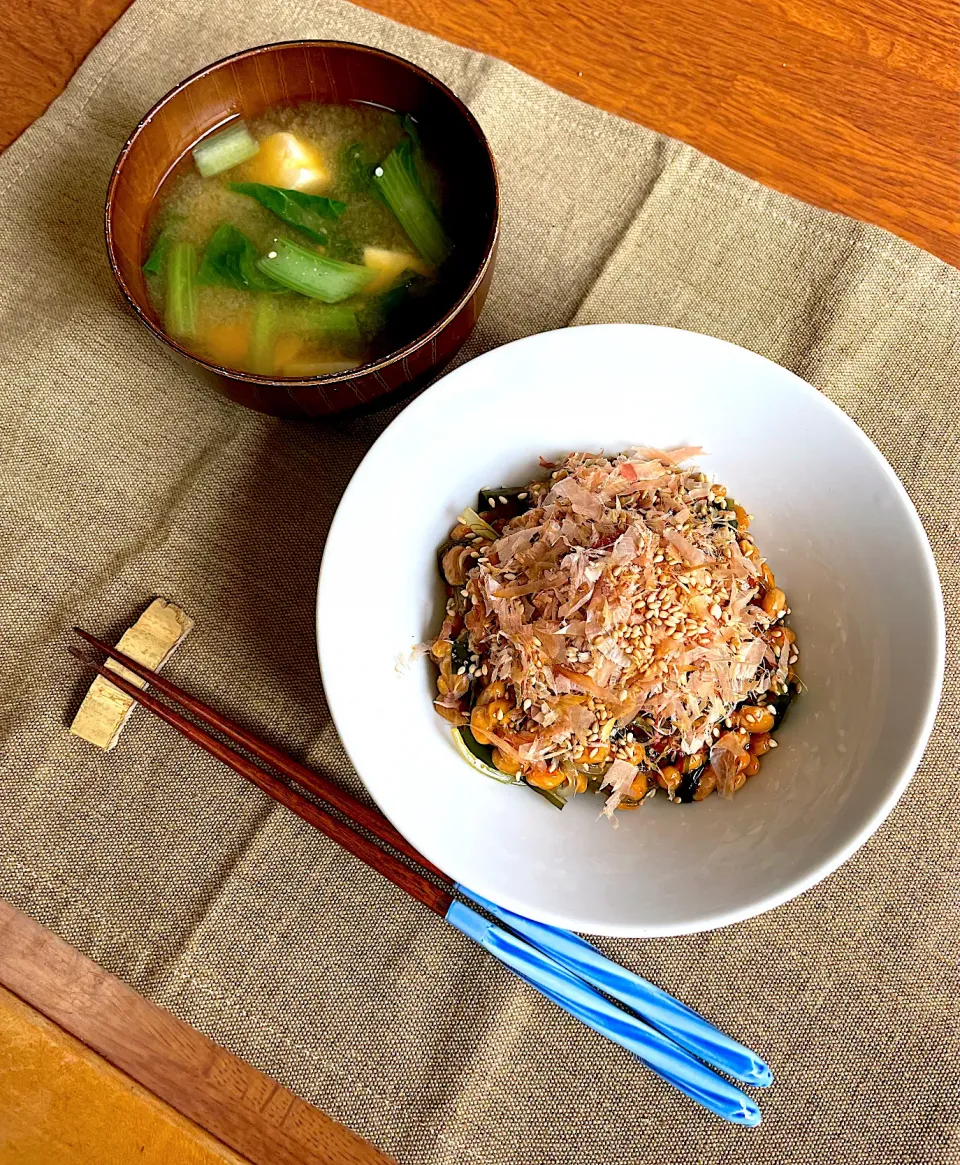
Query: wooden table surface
[[850, 104], [93, 1074], [58, 1099]]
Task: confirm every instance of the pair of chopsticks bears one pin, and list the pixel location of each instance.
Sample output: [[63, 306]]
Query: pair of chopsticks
[[663, 1032]]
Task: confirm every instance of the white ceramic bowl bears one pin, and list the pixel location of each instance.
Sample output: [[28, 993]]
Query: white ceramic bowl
[[830, 515]]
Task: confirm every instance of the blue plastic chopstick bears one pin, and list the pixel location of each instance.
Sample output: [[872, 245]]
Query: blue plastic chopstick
[[666, 1058], [673, 1018]]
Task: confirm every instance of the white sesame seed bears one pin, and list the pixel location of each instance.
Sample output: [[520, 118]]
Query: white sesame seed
[[522, 497], [461, 670], [774, 743], [502, 500], [271, 254]]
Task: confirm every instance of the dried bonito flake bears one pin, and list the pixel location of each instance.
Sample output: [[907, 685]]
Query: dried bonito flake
[[628, 625]]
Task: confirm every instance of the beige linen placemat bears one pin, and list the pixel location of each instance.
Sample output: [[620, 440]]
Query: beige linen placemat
[[123, 478]]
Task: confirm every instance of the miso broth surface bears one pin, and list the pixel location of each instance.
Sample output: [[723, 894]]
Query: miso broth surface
[[190, 208]]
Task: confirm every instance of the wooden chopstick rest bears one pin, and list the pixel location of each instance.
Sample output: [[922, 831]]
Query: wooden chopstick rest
[[150, 641]]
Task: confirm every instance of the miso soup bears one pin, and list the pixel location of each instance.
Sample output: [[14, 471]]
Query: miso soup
[[307, 242]]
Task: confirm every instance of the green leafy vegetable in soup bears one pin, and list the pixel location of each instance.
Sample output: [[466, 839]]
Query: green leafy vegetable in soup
[[230, 260], [180, 317], [158, 255], [313, 274], [398, 180], [303, 243], [305, 212]]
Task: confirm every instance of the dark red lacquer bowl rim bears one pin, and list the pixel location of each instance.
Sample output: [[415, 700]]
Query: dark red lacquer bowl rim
[[331, 380]]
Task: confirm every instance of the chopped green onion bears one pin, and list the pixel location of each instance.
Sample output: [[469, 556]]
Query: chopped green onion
[[478, 756], [508, 501], [263, 335], [477, 524], [224, 150], [305, 212], [180, 309], [460, 652], [554, 798], [312, 274], [158, 254], [230, 260], [398, 181]]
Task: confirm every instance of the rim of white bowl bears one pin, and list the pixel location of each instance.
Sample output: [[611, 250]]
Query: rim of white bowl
[[717, 919]]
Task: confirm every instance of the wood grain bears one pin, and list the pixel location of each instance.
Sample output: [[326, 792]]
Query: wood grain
[[850, 104], [60, 1102], [235, 1103], [44, 42]]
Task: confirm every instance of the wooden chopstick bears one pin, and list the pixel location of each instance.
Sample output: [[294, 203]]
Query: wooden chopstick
[[435, 897], [321, 787]]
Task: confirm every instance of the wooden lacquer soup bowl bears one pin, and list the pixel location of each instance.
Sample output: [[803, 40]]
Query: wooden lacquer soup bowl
[[248, 84]]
